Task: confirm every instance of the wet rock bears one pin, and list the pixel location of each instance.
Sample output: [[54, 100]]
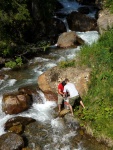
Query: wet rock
[[27, 90], [71, 121], [64, 112], [86, 2], [68, 39], [16, 128], [83, 10], [38, 135], [36, 148], [2, 76], [81, 22], [58, 26], [17, 124], [45, 87], [15, 103], [11, 141]]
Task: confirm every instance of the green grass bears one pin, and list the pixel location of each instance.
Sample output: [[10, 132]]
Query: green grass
[[99, 99], [109, 5]]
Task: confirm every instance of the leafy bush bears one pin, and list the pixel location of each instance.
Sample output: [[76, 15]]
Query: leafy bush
[[13, 64]]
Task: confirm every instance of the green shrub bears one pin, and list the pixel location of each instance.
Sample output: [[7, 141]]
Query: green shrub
[[13, 64]]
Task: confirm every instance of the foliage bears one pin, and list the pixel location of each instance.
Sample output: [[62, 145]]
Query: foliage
[[13, 64], [19, 27], [99, 99], [14, 18], [44, 45], [68, 63], [109, 5]]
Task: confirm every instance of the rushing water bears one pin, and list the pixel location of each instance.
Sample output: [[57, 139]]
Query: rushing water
[[44, 111], [62, 135]]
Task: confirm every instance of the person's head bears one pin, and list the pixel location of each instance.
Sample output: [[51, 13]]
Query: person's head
[[63, 83], [66, 80]]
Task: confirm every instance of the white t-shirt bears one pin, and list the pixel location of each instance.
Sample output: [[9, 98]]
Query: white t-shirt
[[70, 87]]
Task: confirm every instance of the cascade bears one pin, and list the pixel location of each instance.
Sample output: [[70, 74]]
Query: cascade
[[54, 133]]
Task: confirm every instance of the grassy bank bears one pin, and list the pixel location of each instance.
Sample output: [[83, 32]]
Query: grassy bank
[[99, 100]]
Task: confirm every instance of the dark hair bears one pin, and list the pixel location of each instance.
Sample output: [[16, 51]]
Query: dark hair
[[63, 83], [66, 80]]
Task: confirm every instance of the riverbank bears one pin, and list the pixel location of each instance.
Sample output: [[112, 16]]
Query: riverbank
[[97, 118]]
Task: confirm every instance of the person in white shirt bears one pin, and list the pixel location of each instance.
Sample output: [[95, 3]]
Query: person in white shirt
[[73, 94]]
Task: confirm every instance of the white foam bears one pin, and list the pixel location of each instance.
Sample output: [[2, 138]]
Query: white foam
[[69, 6], [5, 69], [89, 36], [11, 82]]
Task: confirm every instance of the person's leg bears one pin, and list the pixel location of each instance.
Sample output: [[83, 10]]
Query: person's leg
[[81, 103], [70, 105], [59, 108], [71, 109], [60, 100]]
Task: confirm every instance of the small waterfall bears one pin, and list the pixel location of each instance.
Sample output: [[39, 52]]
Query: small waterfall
[[64, 20], [38, 97]]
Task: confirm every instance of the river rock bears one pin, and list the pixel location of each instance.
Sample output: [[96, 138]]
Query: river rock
[[64, 112], [105, 20], [27, 90], [72, 121], [48, 81], [38, 135], [11, 141], [83, 10], [68, 39], [15, 103], [46, 88], [2, 76], [80, 22], [17, 124]]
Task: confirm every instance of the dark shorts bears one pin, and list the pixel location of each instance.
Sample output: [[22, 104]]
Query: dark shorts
[[72, 100]]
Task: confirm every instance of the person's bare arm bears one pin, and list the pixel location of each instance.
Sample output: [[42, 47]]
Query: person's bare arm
[[60, 92]]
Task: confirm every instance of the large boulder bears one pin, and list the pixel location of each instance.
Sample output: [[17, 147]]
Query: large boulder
[[11, 141], [68, 39], [48, 81], [15, 103], [46, 88], [81, 22], [105, 21]]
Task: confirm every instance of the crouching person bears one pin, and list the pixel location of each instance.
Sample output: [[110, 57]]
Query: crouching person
[[73, 95]]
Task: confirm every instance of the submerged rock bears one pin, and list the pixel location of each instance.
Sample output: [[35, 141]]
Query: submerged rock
[[11, 141], [17, 124]]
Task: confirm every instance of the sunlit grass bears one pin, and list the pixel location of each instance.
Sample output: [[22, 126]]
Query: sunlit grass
[[99, 98]]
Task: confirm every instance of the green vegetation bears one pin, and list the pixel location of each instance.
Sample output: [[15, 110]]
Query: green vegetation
[[16, 63], [99, 99], [68, 63], [109, 5], [22, 23]]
